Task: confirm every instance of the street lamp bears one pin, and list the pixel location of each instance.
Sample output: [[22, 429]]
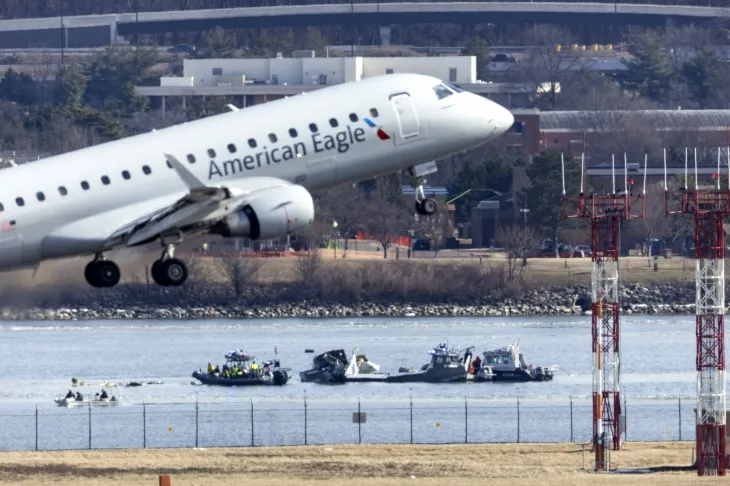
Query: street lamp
[[524, 238], [334, 234]]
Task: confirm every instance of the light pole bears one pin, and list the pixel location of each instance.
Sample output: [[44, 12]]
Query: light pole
[[334, 234], [524, 237]]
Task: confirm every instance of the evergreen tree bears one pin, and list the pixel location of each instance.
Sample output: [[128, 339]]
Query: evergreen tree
[[69, 86], [478, 47], [18, 87], [484, 172], [704, 76], [650, 72]]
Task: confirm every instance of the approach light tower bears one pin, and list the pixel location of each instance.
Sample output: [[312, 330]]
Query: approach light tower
[[606, 210], [708, 206]]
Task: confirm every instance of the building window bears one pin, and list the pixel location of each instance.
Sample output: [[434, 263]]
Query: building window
[[353, 117], [452, 75], [126, 175], [231, 148], [211, 153], [84, 185], [293, 133], [41, 197], [191, 158], [217, 71], [146, 169], [272, 137], [389, 71], [333, 122], [105, 180], [313, 127], [374, 112], [62, 191], [19, 201]]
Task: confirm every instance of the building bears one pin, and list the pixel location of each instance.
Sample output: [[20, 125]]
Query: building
[[254, 81]]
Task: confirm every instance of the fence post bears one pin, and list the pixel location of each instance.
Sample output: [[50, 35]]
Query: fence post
[[305, 418], [36, 427], [197, 430], [359, 422], [252, 442], [144, 425], [411, 419], [571, 420], [89, 426], [518, 420], [626, 421], [679, 413], [466, 421]]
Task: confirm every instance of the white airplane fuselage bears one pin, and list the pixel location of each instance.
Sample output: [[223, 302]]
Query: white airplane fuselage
[[72, 203]]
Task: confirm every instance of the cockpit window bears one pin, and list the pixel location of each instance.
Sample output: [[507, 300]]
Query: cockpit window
[[442, 91], [455, 88]]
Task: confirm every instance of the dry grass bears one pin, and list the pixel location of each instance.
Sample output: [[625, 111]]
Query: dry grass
[[515, 464]]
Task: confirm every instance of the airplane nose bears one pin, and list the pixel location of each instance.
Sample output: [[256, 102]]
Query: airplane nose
[[503, 119]]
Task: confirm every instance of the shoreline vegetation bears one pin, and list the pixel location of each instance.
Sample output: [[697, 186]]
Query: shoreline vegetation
[[317, 285]]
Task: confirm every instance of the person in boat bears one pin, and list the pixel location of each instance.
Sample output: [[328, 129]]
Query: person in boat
[[104, 395], [477, 363], [254, 368], [70, 395], [79, 397], [217, 370], [211, 369]]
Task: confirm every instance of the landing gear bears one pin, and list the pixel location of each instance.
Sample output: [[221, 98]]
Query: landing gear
[[169, 271], [425, 206], [101, 273]]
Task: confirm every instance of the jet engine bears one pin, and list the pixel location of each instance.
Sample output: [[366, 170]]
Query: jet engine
[[271, 213]]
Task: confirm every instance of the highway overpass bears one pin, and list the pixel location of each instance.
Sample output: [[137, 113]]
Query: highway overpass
[[100, 30]]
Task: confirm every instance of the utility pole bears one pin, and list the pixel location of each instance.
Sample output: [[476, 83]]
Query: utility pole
[[524, 237]]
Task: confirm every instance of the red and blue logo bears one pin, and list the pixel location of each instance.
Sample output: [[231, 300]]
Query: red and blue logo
[[381, 133]]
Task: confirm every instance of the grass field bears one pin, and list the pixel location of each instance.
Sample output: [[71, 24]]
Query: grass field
[[513, 464], [273, 270]]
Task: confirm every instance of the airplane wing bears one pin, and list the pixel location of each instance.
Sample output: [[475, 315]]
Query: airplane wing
[[202, 207]]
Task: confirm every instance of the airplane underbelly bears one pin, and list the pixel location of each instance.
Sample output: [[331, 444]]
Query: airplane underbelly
[[11, 250]]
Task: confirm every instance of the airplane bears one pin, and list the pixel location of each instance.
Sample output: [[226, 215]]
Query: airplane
[[243, 173]]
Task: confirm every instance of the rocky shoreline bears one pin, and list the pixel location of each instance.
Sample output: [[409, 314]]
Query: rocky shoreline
[[133, 303]]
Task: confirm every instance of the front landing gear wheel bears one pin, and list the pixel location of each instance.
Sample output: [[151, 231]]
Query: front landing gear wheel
[[170, 272], [426, 207], [102, 274]]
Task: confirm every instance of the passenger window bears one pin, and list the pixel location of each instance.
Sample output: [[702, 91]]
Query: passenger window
[[62, 190], [105, 180], [313, 127], [126, 175], [191, 158], [41, 197], [231, 148], [252, 143], [272, 137], [292, 133], [84, 185], [211, 153], [333, 122], [19, 201], [374, 112], [353, 117], [146, 169], [2, 208], [442, 91], [168, 164]]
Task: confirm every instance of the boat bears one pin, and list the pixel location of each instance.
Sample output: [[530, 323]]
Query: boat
[[508, 365], [270, 373], [445, 366], [334, 367], [96, 401]]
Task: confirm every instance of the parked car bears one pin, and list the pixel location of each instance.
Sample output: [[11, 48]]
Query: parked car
[[582, 251], [181, 49], [421, 244]]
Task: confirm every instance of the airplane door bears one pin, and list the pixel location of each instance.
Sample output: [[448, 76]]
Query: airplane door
[[322, 172], [405, 112]]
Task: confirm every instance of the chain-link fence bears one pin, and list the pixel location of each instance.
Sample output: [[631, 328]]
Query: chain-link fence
[[333, 421]]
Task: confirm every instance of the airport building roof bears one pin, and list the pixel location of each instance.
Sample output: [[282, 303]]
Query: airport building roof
[[658, 119]]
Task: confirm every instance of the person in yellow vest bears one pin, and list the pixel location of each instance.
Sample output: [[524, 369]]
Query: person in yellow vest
[[254, 369]]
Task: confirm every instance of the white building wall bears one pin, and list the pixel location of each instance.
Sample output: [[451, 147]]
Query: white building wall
[[287, 70], [202, 69], [439, 67], [353, 69], [333, 68]]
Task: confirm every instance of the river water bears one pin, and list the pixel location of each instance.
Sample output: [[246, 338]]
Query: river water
[[658, 362]]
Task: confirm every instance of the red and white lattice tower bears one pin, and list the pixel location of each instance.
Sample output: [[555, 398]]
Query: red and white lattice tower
[[708, 205], [606, 210]]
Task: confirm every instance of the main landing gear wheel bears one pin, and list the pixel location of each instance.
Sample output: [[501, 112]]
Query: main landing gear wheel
[[102, 273], [426, 207], [169, 273]]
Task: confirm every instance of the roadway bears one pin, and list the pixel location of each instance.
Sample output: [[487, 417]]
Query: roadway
[[96, 27]]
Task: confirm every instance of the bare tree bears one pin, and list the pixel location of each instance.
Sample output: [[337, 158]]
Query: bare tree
[[516, 240], [239, 271], [385, 216], [656, 223], [308, 265]]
